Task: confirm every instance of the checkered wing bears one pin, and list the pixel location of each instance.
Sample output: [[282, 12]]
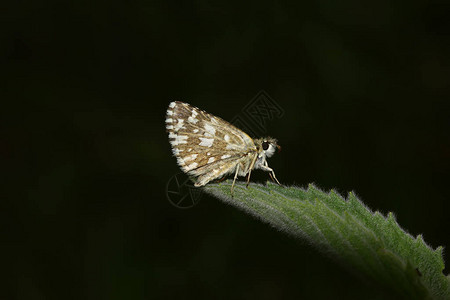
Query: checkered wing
[[205, 146]]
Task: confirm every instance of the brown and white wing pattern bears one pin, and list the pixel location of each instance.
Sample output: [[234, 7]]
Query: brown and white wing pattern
[[205, 146]]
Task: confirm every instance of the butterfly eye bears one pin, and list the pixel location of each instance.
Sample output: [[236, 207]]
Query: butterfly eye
[[265, 145]]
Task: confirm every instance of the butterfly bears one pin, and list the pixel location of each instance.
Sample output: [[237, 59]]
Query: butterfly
[[208, 147]]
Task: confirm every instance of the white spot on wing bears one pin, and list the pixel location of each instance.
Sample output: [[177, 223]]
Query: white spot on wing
[[169, 120], [172, 104], [192, 166], [225, 156], [178, 139], [206, 142], [210, 129], [179, 124], [169, 112], [191, 157], [182, 139], [195, 130], [192, 120], [211, 159], [227, 138]]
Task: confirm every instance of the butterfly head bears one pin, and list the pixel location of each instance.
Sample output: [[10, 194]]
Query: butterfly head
[[268, 146]]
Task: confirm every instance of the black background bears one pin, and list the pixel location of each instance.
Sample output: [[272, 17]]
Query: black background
[[85, 84]]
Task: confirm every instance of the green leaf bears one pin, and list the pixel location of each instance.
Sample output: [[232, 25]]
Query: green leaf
[[370, 243]]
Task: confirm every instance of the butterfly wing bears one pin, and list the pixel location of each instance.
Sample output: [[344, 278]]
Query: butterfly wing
[[205, 145]]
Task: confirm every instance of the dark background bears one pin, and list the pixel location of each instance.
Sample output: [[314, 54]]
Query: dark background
[[86, 159]]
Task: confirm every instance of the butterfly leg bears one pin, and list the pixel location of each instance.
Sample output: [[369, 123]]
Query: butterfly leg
[[266, 167], [250, 169], [271, 177], [234, 180], [274, 179]]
